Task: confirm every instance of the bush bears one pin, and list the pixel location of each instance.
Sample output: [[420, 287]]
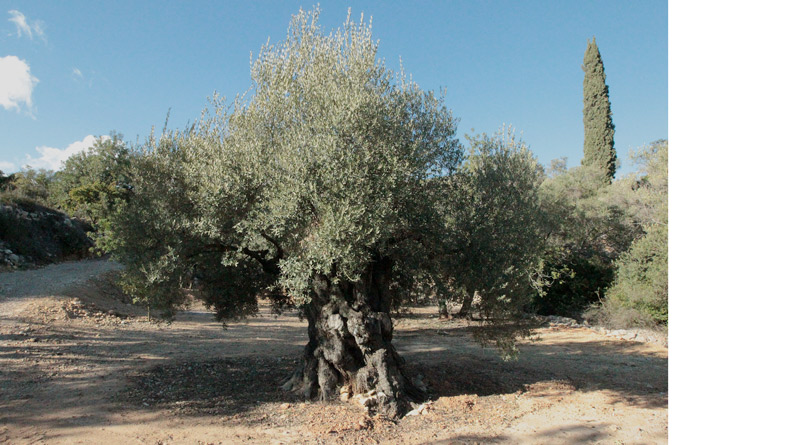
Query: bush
[[641, 281], [639, 294], [588, 230]]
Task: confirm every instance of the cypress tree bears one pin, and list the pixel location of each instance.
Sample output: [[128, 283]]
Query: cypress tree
[[598, 139]]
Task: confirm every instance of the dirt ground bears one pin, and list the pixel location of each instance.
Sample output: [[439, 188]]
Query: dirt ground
[[77, 365]]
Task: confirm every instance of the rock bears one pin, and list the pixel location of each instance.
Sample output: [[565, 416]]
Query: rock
[[345, 393], [366, 400], [423, 408], [365, 424]]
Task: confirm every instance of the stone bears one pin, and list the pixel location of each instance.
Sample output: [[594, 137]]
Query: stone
[[367, 399], [423, 408], [345, 393]]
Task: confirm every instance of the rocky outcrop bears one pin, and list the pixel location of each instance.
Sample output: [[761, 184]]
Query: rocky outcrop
[[31, 235]]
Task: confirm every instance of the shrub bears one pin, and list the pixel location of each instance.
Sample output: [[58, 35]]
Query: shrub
[[639, 294]]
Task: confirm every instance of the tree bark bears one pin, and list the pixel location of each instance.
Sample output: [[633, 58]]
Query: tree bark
[[350, 345], [443, 314], [466, 306]]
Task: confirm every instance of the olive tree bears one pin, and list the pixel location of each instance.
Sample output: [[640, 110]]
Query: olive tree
[[91, 180], [333, 184], [93, 183], [318, 187], [495, 224]]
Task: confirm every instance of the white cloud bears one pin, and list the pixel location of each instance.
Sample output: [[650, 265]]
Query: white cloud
[[34, 29], [53, 158], [76, 74], [16, 83], [7, 167]]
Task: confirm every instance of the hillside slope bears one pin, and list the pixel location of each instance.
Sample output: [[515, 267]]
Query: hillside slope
[[32, 235]]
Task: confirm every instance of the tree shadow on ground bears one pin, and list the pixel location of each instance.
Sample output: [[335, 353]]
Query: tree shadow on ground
[[565, 435], [449, 364], [213, 387], [470, 439], [631, 374], [51, 374]]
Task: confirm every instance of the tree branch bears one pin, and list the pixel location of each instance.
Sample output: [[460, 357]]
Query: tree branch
[[279, 250]]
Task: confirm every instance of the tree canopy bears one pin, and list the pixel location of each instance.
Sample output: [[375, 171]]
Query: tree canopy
[[332, 185]]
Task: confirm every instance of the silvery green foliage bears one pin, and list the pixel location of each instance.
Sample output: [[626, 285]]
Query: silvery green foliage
[[329, 160], [496, 222], [496, 232]]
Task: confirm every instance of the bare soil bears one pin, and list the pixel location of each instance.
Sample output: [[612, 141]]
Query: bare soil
[[79, 365]]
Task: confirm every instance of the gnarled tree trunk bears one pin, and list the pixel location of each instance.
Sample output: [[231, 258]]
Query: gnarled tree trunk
[[350, 345]]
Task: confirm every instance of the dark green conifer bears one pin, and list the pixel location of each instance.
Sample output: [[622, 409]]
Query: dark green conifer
[[598, 129]]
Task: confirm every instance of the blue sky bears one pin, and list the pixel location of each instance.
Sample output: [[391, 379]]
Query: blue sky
[[77, 69]]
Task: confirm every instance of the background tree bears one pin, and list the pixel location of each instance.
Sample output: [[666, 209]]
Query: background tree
[[639, 294], [93, 184], [495, 217], [30, 185], [587, 229], [91, 180], [598, 129]]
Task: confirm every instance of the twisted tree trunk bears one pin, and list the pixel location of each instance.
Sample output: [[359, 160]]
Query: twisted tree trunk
[[350, 345]]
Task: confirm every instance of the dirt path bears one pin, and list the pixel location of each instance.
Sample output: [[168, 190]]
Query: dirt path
[[72, 373], [18, 288]]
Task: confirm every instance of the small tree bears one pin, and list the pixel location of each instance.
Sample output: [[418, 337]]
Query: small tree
[[93, 184], [598, 129], [639, 294], [92, 177], [495, 218]]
